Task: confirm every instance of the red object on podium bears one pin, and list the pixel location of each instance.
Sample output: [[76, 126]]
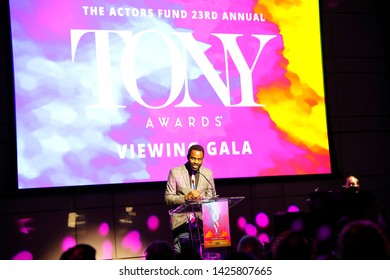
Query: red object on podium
[[215, 216], [216, 227]]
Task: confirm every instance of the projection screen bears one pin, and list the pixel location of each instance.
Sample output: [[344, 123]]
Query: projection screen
[[112, 92]]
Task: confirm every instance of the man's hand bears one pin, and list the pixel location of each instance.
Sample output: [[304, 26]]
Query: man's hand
[[195, 194]]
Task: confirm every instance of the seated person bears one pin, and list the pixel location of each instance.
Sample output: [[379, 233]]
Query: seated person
[[351, 182]]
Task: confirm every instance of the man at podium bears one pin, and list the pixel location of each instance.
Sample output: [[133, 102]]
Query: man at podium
[[188, 182]]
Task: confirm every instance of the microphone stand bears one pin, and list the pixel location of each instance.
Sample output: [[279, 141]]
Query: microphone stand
[[212, 186]]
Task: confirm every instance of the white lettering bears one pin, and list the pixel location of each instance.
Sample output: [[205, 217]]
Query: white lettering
[[163, 121], [218, 121], [178, 123], [177, 56], [160, 150], [211, 149], [192, 122], [121, 149], [141, 150], [149, 123], [224, 149], [246, 148], [234, 149], [239, 16], [205, 121]]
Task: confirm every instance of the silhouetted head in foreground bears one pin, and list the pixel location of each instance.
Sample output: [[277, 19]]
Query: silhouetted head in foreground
[[293, 245], [362, 240], [79, 252], [159, 250], [251, 245]]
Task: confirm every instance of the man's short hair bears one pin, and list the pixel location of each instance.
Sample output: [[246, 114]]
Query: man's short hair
[[195, 147]]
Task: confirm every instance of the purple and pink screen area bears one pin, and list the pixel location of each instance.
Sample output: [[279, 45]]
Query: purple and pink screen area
[[113, 93]]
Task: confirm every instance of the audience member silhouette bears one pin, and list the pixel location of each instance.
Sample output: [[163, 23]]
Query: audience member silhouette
[[293, 245], [159, 250], [362, 240], [362, 205], [251, 245], [239, 255], [188, 253], [79, 252], [358, 204]]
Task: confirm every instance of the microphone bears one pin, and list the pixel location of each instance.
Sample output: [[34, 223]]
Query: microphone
[[193, 181], [212, 186]]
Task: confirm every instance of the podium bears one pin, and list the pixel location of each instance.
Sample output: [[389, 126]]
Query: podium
[[215, 220]]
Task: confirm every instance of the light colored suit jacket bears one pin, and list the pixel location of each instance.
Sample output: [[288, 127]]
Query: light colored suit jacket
[[178, 185]]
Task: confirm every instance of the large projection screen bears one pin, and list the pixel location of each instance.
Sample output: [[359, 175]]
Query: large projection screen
[[112, 92]]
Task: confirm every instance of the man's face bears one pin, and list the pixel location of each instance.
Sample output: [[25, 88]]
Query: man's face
[[195, 159]]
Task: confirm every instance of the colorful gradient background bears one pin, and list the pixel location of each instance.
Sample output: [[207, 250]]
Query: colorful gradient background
[[216, 215], [63, 142]]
